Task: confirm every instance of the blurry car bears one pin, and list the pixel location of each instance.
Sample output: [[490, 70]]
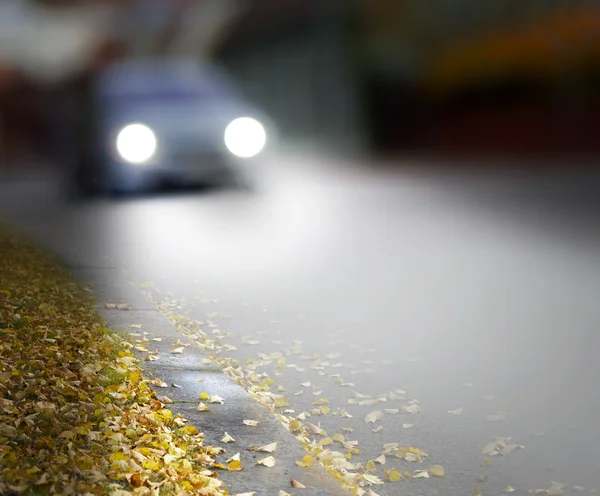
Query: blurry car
[[174, 120]]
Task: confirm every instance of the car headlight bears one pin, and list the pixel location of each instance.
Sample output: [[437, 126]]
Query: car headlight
[[136, 143], [245, 137]]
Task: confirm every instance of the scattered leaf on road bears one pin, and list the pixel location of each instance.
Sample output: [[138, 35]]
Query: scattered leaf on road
[[437, 471], [227, 439], [268, 461], [373, 417]]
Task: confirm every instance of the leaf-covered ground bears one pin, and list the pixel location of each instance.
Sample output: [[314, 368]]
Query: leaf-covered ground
[[76, 414]]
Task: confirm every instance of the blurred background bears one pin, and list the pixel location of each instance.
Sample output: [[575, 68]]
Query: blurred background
[[382, 77]]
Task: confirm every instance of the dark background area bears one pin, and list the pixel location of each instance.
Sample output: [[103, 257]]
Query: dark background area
[[459, 78]]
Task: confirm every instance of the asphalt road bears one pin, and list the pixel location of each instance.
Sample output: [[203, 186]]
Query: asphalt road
[[472, 293]]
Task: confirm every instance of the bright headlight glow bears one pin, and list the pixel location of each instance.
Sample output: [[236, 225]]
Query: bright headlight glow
[[136, 143], [245, 137]]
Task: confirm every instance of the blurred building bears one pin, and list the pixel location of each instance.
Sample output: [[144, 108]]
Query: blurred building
[[462, 76]]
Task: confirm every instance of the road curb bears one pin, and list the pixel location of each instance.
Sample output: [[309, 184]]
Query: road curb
[[192, 374]]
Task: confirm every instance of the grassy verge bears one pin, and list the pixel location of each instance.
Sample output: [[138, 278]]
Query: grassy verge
[[76, 414]]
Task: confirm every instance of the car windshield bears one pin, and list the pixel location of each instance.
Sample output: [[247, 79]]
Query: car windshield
[[166, 82]]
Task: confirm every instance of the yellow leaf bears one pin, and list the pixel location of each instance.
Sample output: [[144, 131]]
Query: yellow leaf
[[339, 438], [370, 466], [325, 441], [437, 471], [307, 461], [151, 465], [190, 429], [393, 475], [325, 410], [203, 408], [321, 401], [167, 414], [235, 466], [281, 403], [118, 457], [204, 396]]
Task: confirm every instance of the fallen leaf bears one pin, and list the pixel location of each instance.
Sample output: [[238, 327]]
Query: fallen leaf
[[437, 470], [421, 474], [408, 426], [283, 493], [373, 417], [508, 489], [414, 408], [297, 485], [268, 461], [203, 408], [281, 403], [177, 351], [235, 466], [314, 429], [307, 461], [227, 439], [372, 479], [251, 423], [458, 411], [393, 475], [158, 383], [268, 448]]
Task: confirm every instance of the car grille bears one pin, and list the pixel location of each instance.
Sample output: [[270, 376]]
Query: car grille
[[187, 160]]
